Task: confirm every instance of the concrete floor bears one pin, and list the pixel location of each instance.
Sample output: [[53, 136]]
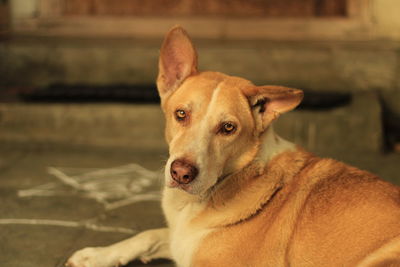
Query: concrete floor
[[42, 226]]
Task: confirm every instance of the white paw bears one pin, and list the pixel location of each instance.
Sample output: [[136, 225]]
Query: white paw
[[90, 257], [145, 259]]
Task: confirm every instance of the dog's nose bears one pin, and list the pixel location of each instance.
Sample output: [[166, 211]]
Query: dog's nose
[[183, 171]]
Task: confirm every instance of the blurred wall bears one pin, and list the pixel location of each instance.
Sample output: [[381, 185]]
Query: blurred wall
[[4, 17], [47, 48]]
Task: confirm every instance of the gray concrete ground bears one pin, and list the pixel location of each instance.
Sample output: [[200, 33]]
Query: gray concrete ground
[[60, 196], [43, 226]]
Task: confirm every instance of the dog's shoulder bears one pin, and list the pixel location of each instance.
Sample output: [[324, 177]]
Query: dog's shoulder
[[343, 185], [343, 212]]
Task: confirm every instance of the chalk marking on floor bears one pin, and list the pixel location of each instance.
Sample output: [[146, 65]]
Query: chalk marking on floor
[[151, 196], [122, 170], [64, 178], [112, 187], [71, 224]]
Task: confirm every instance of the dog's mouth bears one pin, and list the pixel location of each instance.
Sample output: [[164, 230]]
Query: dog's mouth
[[189, 188], [185, 187]]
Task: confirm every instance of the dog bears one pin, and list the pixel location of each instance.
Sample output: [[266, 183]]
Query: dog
[[236, 194]]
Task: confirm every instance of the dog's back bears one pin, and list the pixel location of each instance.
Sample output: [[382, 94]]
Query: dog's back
[[326, 214]]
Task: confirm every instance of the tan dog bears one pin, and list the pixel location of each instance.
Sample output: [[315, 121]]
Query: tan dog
[[238, 195]]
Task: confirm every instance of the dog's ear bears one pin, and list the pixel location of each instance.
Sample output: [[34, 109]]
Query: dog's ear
[[178, 60], [268, 102]]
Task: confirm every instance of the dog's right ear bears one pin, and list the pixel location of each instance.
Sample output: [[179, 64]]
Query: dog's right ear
[[178, 60]]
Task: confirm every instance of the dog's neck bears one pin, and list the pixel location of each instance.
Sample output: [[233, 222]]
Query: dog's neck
[[272, 145], [260, 180], [256, 187]]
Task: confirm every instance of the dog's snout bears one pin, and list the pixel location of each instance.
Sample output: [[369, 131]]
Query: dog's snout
[[183, 171]]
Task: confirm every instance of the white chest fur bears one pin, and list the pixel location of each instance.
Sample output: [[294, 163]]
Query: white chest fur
[[184, 236]]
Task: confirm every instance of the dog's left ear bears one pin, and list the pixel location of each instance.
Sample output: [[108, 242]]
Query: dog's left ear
[[268, 102], [178, 60]]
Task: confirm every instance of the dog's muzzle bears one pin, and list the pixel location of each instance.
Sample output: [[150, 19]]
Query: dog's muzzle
[[183, 172]]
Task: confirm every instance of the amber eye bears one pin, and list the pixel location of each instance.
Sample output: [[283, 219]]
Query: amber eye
[[180, 114], [228, 128]]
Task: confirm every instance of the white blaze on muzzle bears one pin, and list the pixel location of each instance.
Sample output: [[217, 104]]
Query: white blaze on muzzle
[[196, 144]]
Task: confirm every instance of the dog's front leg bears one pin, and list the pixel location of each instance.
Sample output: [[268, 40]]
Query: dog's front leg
[[145, 246]]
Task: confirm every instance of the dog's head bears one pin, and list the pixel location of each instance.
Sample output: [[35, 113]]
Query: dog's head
[[213, 121]]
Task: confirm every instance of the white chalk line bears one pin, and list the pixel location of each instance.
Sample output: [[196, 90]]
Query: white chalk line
[[71, 224], [151, 196], [125, 169], [64, 178], [113, 187]]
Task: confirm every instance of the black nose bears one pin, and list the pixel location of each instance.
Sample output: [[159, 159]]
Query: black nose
[[182, 171]]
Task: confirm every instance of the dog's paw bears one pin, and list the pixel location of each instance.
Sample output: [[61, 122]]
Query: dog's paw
[[145, 259], [90, 257]]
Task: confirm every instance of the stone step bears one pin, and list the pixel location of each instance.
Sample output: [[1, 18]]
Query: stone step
[[84, 124], [356, 126]]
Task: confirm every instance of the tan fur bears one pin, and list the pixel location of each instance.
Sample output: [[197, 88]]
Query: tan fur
[[387, 255], [325, 214]]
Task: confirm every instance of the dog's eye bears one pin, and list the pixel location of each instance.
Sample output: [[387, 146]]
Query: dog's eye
[[228, 128], [180, 115]]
